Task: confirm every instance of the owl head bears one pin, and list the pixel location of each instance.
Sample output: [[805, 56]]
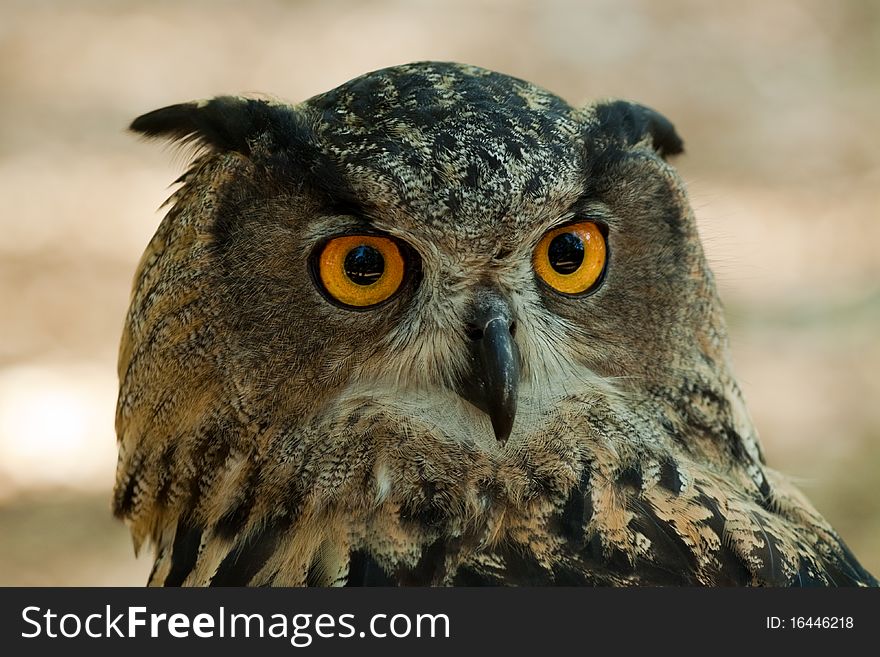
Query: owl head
[[437, 248]]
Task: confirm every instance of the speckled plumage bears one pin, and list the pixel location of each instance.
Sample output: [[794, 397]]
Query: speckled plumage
[[267, 436]]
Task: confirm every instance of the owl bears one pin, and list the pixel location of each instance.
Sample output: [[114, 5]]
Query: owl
[[438, 327]]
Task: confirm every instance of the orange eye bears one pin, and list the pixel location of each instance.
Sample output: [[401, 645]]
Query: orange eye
[[361, 270], [570, 259]]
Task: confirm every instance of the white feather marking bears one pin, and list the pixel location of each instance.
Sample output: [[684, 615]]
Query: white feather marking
[[383, 483]]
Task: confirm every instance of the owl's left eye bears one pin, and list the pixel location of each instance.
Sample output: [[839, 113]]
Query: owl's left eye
[[571, 258], [360, 270]]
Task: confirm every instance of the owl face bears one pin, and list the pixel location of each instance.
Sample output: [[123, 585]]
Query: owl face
[[451, 245]]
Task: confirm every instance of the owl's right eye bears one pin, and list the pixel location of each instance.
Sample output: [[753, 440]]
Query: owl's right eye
[[360, 270]]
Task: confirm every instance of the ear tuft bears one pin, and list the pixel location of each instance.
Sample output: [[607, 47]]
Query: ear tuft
[[225, 123], [633, 123]]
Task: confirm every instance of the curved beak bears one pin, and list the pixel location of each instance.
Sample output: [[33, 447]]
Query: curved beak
[[492, 383]]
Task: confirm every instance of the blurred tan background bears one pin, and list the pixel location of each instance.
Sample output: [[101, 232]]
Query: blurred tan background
[[777, 102]]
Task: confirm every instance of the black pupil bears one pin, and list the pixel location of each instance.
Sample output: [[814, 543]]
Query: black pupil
[[566, 253], [364, 265]]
